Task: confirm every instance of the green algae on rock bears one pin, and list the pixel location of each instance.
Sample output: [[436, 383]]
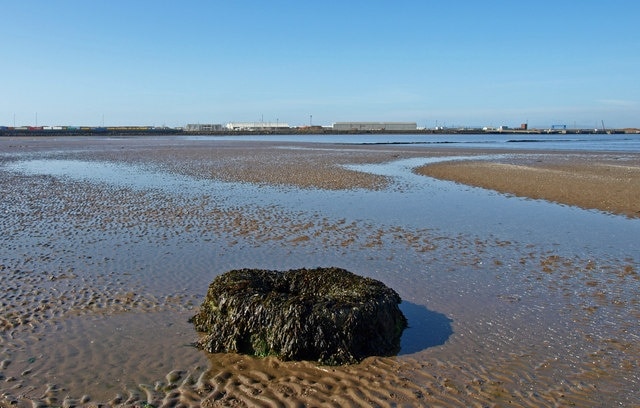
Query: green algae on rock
[[328, 315]]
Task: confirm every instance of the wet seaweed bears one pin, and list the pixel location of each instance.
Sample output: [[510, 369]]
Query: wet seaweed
[[328, 315]]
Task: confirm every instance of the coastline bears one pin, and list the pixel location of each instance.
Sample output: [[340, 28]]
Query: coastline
[[129, 131]]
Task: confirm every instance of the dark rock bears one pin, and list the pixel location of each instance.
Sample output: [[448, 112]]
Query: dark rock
[[328, 315]]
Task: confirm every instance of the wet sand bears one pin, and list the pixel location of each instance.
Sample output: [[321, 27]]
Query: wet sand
[[596, 181], [99, 282]]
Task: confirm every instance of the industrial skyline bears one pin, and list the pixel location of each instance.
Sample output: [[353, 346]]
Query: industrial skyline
[[262, 123]]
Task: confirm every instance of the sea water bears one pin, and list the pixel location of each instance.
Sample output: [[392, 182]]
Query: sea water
[[575, 142]]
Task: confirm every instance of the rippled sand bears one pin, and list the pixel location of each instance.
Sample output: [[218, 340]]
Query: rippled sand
[[99, 281]]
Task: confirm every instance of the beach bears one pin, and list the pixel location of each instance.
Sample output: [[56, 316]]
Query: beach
[[604, 182], [109, 244]]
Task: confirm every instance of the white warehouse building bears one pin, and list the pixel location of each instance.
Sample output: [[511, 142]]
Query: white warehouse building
[[256, 125], [347, 126]]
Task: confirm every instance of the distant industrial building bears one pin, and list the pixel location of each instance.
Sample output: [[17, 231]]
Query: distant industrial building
[[202, 127], [256, 126], [360, 126]]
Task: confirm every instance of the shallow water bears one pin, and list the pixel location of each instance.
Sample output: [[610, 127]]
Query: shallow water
[[414, 202], [572, 142], [533, 298]]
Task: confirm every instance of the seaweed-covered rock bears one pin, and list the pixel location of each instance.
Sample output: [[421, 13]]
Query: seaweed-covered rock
[[328, 315]]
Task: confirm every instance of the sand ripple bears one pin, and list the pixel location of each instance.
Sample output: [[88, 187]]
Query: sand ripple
[[98, 283]]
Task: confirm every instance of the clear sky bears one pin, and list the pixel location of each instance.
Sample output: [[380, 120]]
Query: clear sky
[[453, 63]]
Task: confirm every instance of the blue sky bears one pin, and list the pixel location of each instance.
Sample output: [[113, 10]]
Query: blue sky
[[453, 63]]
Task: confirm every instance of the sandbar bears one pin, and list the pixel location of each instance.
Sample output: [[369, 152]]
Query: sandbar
[[592, 181]]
